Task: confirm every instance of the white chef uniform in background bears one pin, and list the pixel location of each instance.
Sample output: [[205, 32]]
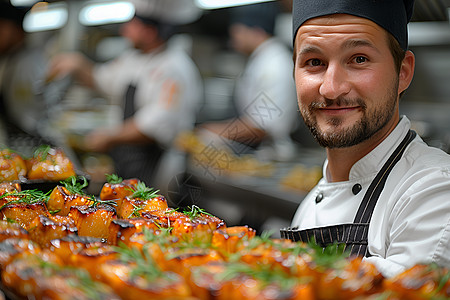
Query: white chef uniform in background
[[168, 91], [168, 86], [266, 93]]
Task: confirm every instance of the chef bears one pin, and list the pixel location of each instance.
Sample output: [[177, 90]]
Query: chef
[[158, 86], [264, 92], [22, 65], [384, 192]]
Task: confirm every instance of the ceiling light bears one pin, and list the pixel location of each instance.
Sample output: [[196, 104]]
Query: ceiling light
[[106, 13], [23, 2], [45, 17], [214, 4]]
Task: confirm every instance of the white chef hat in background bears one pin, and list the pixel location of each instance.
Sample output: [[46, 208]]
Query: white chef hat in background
[[174, 12]]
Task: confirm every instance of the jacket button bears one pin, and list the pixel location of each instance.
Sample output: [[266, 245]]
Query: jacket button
[[356, 189], [319, 198]]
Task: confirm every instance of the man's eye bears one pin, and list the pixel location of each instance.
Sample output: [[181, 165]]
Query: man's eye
[[360, 59], [314, 62]]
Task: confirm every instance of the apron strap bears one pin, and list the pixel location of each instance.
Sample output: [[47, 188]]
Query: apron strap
[[367, 206], [353, 235], [136, 161], [129, 108], [370, 199]]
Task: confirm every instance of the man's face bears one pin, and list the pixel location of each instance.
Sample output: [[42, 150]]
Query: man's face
[[8, 35], [347, 84], [137, 33], [242, 38]]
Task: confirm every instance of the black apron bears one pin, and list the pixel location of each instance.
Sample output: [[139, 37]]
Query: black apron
[[136, 161], [353, 235]]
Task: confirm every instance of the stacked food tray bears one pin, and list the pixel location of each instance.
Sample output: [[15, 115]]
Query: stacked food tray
[[127, 243]]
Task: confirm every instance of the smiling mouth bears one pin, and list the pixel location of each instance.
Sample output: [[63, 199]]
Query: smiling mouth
[[339, 110], [338, 106], [337, 103]]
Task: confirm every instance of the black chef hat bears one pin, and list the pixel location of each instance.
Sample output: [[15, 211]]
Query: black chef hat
[[392, 15], [12, 13], [262, 15]]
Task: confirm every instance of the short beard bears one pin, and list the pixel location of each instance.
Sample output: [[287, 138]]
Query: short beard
[[366, 127]]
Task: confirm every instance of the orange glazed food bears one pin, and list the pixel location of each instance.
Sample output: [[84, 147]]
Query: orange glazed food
[[82, 248], [49, 163], [12, 166]]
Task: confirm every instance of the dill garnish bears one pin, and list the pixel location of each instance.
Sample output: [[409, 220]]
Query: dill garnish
[[250, 244], [266, 274], [443, 277], [42, 151], [160, 238], [96, 202], [26, 196], [73, 186], [76, 188], [113, 178], [136, 210], [195, 211], [142, 263], [143, 192], [263, 239], [330, 257], [75, 277]]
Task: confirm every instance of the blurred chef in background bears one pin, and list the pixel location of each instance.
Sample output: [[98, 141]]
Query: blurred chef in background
[[21, 67], [158, 86], [265, 91]]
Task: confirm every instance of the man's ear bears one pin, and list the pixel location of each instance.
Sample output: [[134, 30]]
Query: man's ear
[[406, 71]]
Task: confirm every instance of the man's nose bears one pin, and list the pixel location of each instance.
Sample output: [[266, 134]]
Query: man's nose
[[334, 82]]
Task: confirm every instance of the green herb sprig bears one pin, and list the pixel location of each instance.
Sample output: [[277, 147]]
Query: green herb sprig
[[136, 210], [143, 192], [194, 211], [331, 257], [443, 277], [76, 278], [163, 235], [253, 243], [97, 201], [42, 151], [266, 274], [26, 196], [74, 186], [143, 265], [113, 178]]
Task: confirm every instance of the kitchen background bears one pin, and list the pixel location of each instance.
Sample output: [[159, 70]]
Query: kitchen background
[[265, 194]]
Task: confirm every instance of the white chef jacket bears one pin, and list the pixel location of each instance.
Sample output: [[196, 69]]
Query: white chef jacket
[[411, 220], [265, 94], [168, 92], [168, 89]]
